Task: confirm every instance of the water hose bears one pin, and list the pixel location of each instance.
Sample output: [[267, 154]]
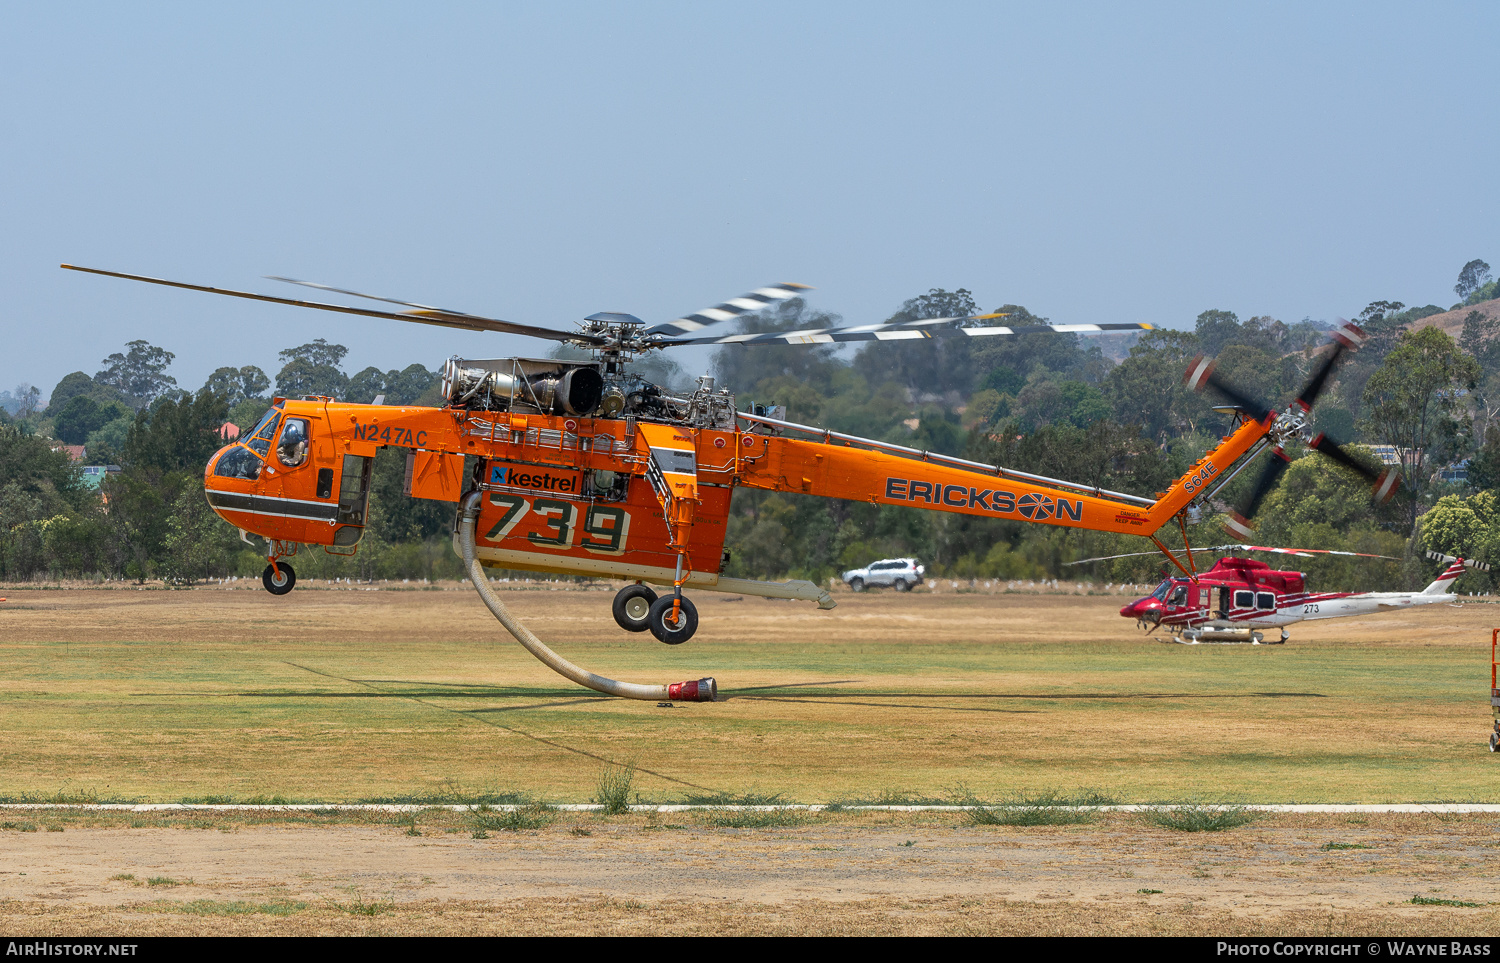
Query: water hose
[[702, 690]]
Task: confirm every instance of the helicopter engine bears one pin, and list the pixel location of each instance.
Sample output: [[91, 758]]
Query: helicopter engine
[[523, 384]]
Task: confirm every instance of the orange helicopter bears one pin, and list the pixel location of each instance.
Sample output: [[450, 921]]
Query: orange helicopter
[[583, 468]]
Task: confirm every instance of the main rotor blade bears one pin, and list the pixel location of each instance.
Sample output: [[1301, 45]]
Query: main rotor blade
[[371, 297], [901, 331], [1299, 552], [1200, 373], [1348, 337], [1239, 522], [1385, 483], [468, 322], [733, 308]]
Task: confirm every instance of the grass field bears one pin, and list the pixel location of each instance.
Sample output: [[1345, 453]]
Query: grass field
[[221, 694]]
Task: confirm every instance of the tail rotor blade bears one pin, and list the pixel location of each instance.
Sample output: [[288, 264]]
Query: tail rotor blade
[[1327, 446], [1200, 374], [1385, 483], [1239, 522], [1467, 562], [1347, 338]]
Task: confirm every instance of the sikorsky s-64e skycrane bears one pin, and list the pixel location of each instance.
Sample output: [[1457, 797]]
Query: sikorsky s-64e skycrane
[[585, 468]]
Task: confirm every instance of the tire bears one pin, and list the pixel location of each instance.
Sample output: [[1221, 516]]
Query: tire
[[632, 607], [1494, 742], [856, 585], [281, 585], [901, 585], [661, 610]]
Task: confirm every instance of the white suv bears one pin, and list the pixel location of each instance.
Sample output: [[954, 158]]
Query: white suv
[[899, 573]]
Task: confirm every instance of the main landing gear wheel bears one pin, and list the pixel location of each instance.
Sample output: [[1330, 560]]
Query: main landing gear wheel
[[857, 585], [278, 579], [632, 607], [659, 619]]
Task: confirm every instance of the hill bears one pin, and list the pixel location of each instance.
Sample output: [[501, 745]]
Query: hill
[[1452, 322]]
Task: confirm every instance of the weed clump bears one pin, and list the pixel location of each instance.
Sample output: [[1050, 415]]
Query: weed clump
[[1196, 817], [730, 799], [614, 788], [1433, 901], [208, 907], [533, 815], [754, 818], [1046, 808], [359, 906]]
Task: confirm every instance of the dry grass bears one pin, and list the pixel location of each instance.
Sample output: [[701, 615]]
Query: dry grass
[[210, 694], [946, 916], [417, 697]]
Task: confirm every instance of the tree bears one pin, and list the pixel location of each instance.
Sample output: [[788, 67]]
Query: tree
[[79, 384], [402, 387], [932, 366], [312, 369], [177, 434], [1315, 491], [1146, 389], [1465, 527], [140, 373], [28, 399], [1215, 329], [1415, 402], [164, 456], [1481, 339], [1474, 275], [83, 416], [746, 370], [238, 384]]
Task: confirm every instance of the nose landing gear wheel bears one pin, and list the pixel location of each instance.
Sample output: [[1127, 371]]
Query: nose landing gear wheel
[[672, 633], [278, 580], [632, 607]]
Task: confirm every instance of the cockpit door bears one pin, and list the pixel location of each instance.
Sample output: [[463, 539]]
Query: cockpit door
[[354, 498]]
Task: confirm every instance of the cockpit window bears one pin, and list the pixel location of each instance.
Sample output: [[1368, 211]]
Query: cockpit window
[[1161, 591], [238, 462], [260, 440], [1179, 595], [291, 451]]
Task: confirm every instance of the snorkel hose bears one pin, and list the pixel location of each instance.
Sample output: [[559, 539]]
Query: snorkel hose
[[702, 690]]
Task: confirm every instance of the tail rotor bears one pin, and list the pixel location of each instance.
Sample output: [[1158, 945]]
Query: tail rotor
[[1289, 425]]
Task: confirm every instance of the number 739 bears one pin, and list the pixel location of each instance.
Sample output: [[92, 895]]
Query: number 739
[[554, 523]]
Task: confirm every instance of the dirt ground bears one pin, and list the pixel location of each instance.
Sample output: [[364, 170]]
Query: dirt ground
[[885, 874], [347, 694]]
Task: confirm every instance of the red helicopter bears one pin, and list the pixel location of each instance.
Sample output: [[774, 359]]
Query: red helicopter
[[1239, 597]]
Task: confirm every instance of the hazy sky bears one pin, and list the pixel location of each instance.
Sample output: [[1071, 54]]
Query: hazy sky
[[539, 162]]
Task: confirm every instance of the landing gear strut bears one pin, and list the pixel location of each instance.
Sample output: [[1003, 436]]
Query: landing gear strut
[[665, 627]]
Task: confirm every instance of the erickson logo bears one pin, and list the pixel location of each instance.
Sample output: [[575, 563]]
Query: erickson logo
[[1033, 506]]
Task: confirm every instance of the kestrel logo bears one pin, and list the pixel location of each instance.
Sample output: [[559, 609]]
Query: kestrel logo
[[1034, 507], [524, 476]]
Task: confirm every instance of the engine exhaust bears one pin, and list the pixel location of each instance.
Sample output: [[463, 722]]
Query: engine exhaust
[[701, 690]]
